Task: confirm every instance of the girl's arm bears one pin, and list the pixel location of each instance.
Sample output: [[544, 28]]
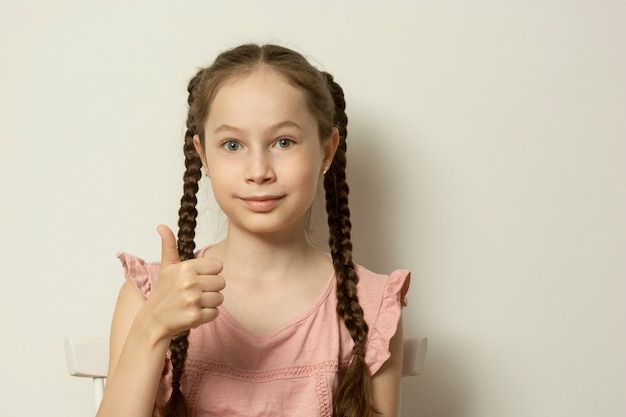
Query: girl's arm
[[386, 382], [136, 359], [186, 295]]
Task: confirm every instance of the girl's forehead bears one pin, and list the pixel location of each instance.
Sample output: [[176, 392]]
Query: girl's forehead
[[262, 94]]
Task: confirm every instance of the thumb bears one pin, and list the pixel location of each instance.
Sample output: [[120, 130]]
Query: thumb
[[169, 251]]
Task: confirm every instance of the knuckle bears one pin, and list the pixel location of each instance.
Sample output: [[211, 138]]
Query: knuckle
[[194, 315], [186, 268], [190, 299], [187, 283]]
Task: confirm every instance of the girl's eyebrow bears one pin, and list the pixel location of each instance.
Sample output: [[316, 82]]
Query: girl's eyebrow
[[286, 123], [280, 125], [226, 128]]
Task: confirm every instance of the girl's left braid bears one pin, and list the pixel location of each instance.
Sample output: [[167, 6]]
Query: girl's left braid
[[353, 396]]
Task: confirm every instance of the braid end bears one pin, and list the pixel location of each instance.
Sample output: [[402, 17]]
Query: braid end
[[176, 406], [353, 397]]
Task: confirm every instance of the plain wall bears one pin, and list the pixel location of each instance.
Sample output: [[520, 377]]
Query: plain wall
[[487, 153]]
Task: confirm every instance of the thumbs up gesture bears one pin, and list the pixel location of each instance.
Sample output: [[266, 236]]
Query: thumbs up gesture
[[187, 293]]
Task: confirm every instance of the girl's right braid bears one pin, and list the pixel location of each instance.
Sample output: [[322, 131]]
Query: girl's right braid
[[193, 164], [177, 406], [353, 397]]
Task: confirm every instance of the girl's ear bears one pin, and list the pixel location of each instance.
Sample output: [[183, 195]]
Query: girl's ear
[[330, 147], [200, 151]]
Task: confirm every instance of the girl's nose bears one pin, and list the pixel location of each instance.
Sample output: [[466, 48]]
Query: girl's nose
[[259, 168]]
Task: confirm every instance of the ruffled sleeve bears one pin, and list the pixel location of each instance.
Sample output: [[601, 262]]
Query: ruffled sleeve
[[383, 314], [143, 274]]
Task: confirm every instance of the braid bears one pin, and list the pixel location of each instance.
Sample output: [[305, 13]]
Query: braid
[[187, 214], [353, 397]]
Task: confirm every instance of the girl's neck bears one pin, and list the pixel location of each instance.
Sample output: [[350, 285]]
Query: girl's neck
[[275, 255]]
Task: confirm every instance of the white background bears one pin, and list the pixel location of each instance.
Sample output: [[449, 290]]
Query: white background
[[487, 152]]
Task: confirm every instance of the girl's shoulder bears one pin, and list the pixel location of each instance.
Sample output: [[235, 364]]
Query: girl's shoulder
[[141, 273], [373, 285], [382, 298]]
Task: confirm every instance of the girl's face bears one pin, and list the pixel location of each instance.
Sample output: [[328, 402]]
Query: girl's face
[[263, 153]]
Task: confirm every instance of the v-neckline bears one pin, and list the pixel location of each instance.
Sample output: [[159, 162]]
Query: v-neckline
[[324, 294]]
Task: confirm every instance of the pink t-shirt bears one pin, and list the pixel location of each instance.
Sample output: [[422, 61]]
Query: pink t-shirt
[[230, 372]]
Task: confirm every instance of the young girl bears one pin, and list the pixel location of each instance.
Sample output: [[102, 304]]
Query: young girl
[[279, 328]]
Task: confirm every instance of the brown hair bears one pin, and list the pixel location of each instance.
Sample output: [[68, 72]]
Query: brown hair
[[325, 100]]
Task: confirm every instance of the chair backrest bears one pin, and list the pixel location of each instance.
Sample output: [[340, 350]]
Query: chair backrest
[[88, 357], [414, 355]]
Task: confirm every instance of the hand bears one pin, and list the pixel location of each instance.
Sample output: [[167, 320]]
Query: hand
[[187, 293]]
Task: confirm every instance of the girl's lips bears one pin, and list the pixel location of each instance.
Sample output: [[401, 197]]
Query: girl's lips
[[261, 204]]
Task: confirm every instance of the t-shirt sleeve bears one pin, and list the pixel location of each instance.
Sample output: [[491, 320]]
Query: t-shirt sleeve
[[385, 320], [143, 274]]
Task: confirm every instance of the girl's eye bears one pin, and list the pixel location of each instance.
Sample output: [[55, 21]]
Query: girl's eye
[[284, 143], [231, 145]]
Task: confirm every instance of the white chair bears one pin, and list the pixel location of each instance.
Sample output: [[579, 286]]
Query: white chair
[[88, 357], [414, 356]]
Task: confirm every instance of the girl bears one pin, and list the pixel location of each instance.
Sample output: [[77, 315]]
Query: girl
[[278, 327]]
